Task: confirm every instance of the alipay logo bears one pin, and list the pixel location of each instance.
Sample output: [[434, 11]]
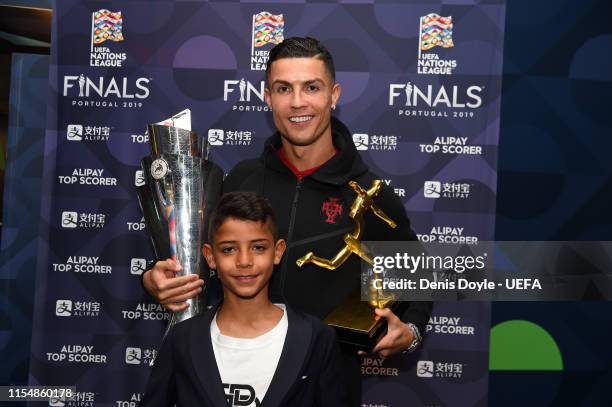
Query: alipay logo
[[133, 356], [215, 137], [74, 132], [57, 402], [139, 179], [425, 368], [69, 219], [138, 266], [432, 189], [63, 308], [361, 141]]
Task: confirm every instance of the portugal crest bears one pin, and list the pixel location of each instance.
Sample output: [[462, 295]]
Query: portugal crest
[[331, 209]]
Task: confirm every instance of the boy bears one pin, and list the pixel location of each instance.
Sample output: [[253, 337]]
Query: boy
[[247, 351]]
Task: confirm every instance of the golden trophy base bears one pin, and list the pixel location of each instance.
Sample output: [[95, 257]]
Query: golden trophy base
[[356, 324]]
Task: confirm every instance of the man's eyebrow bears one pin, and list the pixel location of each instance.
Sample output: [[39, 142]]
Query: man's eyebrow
[[280, 82]]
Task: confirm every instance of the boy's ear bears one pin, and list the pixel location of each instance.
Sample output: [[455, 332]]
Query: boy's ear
[[208, 255], [279, 249]]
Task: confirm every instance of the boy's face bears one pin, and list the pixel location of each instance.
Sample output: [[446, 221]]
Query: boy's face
[[244, 254], [300, 93]]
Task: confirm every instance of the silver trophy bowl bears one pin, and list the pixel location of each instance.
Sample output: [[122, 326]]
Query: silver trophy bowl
[[181, 188]]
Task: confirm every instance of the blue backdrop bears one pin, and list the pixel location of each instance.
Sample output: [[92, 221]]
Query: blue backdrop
[[93, 326], [563, 195]]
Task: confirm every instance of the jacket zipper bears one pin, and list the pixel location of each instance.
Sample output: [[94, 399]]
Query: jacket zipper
[[294, 205]]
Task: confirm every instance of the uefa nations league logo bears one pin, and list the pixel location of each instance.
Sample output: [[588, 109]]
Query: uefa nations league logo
[[106, 25], [435, 31], [267, 31]]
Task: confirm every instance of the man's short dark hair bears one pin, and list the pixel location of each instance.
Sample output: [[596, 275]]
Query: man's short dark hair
[[300, 47], [242, 206]]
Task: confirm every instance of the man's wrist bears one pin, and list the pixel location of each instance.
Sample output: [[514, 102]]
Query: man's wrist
[[416, 338]]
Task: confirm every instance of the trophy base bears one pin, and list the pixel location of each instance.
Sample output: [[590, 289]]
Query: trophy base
[[356, 324]]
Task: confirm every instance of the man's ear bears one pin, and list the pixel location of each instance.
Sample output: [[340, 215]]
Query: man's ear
[[267, 97], [336, 91], [208, 255], [279, 249]]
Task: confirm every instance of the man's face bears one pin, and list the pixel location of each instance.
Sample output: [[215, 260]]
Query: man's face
[[301, 93], [244, 255]]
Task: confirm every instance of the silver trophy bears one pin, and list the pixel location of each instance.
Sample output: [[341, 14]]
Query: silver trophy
[[181, 188]]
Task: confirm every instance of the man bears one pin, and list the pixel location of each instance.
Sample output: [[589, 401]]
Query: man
[[304, 171], [247, 351]]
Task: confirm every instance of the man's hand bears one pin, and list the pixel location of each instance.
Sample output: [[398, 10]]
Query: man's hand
[[171, 291], [398, 338]]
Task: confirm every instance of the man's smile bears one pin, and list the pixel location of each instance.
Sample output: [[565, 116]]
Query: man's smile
[[300, 119]]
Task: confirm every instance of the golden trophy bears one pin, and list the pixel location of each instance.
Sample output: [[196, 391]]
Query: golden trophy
[[354, 320]]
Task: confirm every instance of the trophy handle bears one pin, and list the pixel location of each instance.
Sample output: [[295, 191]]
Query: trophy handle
[[165, 198], [161, 194]]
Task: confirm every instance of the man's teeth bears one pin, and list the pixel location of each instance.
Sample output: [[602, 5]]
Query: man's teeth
[[300, 119]]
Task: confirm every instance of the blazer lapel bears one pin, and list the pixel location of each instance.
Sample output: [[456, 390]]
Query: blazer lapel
[[204, 361], [292, 358]]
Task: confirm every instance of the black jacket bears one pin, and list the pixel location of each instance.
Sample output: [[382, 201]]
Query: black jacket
[[307, 375], [302, 222]]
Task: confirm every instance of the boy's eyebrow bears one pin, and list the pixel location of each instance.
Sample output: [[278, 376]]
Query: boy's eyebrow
[[260, 240], [225, 242], [235, 241]]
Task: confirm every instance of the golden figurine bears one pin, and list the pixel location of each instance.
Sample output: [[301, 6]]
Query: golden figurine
[[363, 203]]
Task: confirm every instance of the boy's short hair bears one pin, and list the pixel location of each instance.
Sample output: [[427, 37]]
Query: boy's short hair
[[242, 206], [299, 47]]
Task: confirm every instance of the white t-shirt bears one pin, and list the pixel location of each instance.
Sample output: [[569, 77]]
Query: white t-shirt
[[246, 366]]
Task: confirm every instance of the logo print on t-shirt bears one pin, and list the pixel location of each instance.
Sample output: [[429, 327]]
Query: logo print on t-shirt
[[331, 208], [240, 395]]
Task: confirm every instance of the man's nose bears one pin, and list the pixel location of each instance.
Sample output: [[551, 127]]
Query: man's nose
[[297, 99]]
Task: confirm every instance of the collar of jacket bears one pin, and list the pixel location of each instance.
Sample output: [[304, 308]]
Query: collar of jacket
[[341, 168], [293, 355]]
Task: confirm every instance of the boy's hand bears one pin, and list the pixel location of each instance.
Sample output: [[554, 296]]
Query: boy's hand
[[171, 291], [398, 338]]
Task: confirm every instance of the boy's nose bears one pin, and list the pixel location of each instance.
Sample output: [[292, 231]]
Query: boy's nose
[[244, 259]]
